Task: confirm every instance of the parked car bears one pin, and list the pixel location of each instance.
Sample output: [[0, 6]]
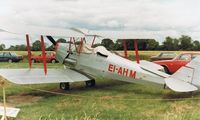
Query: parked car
[[164, 56], [50, 58], [10, 57], [171, 66]]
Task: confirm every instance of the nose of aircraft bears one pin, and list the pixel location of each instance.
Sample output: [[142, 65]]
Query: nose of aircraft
[[61, 51]]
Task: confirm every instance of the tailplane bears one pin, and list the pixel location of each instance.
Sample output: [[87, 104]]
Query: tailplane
[[187, 78]]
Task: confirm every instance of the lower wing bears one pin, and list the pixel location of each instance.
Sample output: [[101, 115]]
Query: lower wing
[[37, 76]]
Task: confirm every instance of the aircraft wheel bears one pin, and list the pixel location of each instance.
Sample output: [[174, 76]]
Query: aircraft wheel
[[64, 86], [90, 83], [10, 60], [165, 86], [53, 61], [33, 61]]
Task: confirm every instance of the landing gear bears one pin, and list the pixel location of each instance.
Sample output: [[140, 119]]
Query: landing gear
[[64, 86], [165, 86], [10, 60], [90, 83]]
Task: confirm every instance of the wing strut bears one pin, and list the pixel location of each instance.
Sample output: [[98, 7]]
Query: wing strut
[[70, 42], [43, 55], [75, 43], [29, 50], [125, 49], [136, 51], [93, 40], [81, 45]]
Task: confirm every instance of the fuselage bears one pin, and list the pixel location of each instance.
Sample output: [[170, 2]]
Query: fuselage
[[109, 65]]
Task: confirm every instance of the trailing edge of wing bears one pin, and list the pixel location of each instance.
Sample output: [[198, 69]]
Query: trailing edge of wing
[[36, 76], [179, 85]]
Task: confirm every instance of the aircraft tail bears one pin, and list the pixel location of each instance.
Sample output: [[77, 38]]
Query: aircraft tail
[[187, 78]]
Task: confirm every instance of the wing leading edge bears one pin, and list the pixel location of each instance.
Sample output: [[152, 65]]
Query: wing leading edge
[[36, 76]]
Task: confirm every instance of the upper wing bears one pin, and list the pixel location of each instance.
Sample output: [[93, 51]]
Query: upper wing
[[75, 32], [124, 34], [33, 30], [36, 76]]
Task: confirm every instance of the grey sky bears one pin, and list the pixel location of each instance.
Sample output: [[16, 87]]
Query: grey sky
[[164, 17]]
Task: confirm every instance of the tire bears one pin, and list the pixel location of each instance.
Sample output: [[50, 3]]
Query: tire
[[10, 61], [32, 61], [90, 83], [53, 61], [64, 86]]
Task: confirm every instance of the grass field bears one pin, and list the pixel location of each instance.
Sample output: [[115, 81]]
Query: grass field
[[109, 100]]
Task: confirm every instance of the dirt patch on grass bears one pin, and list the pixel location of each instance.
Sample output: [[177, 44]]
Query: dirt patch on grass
[[22, 99]]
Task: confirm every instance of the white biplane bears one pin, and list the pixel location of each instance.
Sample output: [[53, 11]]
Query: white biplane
[[84, 63]]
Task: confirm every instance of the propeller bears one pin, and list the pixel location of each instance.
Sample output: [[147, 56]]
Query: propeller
[[60, 49], [52, 40], [86, 32]]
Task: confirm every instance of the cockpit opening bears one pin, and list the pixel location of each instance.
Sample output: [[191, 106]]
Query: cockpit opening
[[100, 50]]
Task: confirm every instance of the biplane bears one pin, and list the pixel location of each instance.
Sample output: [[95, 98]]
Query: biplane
[[82, 62]]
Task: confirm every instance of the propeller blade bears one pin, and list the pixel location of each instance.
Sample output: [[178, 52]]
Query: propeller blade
[[78, 30], [52, 40]]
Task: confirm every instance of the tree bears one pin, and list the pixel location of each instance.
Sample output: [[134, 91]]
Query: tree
[[196, 45], [11, 48], [152, 44], [108, 44], [170, 43], [61, 40], [36, 46], [176, 44], [186, 42], [118, 45], [2, 47]]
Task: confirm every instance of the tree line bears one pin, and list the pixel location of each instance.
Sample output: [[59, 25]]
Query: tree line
[[174, 44], [35, 46], [182, 43]]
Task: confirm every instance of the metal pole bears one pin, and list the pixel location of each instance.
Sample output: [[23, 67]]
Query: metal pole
[[4, 102], [29, 50], [93, 40], [80, 46]]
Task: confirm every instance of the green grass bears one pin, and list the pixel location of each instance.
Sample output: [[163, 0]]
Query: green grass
[[109, 100]]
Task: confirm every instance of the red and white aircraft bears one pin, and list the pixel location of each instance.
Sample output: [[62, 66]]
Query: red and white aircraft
[[84, 63]]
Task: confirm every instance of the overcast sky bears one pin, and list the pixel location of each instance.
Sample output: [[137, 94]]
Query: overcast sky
[[164, 17]]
